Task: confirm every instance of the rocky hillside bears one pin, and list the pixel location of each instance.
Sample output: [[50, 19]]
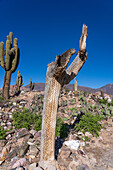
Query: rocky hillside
[[79, 145], [108, 89]]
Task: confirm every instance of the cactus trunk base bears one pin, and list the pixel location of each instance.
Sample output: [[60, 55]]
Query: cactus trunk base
[[6, 85]]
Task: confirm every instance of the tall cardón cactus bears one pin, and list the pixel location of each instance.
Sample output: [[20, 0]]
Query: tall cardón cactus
[[31, 85], [10, 62], [19, 82]]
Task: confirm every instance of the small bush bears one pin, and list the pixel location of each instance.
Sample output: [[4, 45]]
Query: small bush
[[27, 118], [38, 124], [2, 133], [102, 101], [1, 98], [90, 123], [87, 138]]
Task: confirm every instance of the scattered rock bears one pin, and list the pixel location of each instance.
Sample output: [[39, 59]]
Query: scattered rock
[[3, 155], [20, 162], [12, 154], [74, 144], [23, 149], [82, 167], [20, 168], [65, 153], [23, 132], [32, 166]]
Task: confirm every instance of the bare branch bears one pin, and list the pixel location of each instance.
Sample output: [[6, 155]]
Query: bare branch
[[80, 59]]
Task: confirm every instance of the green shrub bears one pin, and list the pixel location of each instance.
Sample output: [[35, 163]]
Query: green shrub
[[26, 118], [1, 98], [2, 133], [103, 101], [85, 138], [112, 103], [38, 124], [90, 123]]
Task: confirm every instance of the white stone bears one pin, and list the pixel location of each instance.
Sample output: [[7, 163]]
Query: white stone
[[1, 162], [33, 132], [73, 144], [10, 116], [20, 168], [22, 92], [13, 109], [30, 143], [5, 127], [109, 100], [2, 124], [8, 123], [23, 102], [20, 106], [32, 166], [14, 103], [37, 168], [100, 98], [9, 136]]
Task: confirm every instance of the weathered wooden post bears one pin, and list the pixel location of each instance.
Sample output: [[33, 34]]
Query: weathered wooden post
[[56, 77], [75, 84], [76, 91]]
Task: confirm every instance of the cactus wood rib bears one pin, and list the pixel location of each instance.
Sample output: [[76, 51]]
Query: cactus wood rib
[[56, 77]]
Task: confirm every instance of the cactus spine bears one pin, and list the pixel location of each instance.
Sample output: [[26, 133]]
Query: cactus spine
[[19, 82], [10, 63], [31, 86]]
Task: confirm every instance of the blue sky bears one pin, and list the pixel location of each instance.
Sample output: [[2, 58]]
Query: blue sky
[[46, 28]]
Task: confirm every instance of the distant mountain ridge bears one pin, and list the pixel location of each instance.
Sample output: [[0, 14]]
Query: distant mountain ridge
[[108, 89]]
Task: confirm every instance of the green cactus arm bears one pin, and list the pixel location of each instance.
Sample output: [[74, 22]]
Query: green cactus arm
[[20, 81], [17, 79], [30, 83], [7, 56], [15, 61], [11, 38], [1, 55]]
